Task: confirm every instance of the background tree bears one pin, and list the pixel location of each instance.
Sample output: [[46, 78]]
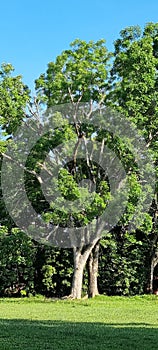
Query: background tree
[[17, 256], [135, 95]]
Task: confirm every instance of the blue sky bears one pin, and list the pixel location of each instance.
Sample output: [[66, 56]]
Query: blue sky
[[34, 32]]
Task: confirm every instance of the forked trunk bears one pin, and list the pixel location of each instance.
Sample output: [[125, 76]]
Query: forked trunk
[[80, 256], [93, 271]]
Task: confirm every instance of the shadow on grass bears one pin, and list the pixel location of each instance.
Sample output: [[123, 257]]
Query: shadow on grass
[[59, 335]]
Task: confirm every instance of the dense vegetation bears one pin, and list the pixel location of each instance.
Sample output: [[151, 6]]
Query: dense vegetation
[[125, 261]]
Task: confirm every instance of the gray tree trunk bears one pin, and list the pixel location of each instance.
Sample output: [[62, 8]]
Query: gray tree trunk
[[79, 264], [151, 278], [93, 271], [154, 262], [81, 256], [80, 259]]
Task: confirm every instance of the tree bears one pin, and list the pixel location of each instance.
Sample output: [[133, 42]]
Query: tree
[[78, 75], [14, 97], [135, 94], [17, 271]]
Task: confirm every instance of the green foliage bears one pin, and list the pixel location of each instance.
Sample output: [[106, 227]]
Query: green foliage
[[17, 254], [134, 75], [77, 74], [123, 263], [14, 96], [48, 272], [67, 186], [54, 269]]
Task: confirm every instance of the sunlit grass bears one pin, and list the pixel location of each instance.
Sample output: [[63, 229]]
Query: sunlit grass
[[100, 323]]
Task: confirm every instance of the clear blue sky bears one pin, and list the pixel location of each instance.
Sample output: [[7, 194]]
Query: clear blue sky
[[34, 32]]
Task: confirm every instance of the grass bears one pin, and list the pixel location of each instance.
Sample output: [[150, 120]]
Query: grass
[[101, 323]]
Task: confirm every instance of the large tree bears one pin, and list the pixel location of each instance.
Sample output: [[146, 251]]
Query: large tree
[[80, 75]]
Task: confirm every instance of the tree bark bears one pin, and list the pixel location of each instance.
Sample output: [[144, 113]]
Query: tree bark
[[154, 262], [93, 271], [80, 256], [151, 278], [79, 265], [154, 239]]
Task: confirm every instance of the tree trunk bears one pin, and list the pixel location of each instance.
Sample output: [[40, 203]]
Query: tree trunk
[[76, 290], [151, 278], [93, 271], [154, 262], [154, 239], [80, 256]]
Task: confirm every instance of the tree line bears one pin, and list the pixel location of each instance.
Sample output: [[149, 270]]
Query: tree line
[[119, 261]]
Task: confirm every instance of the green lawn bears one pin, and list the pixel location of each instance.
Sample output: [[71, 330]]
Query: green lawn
[[101, 323]]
